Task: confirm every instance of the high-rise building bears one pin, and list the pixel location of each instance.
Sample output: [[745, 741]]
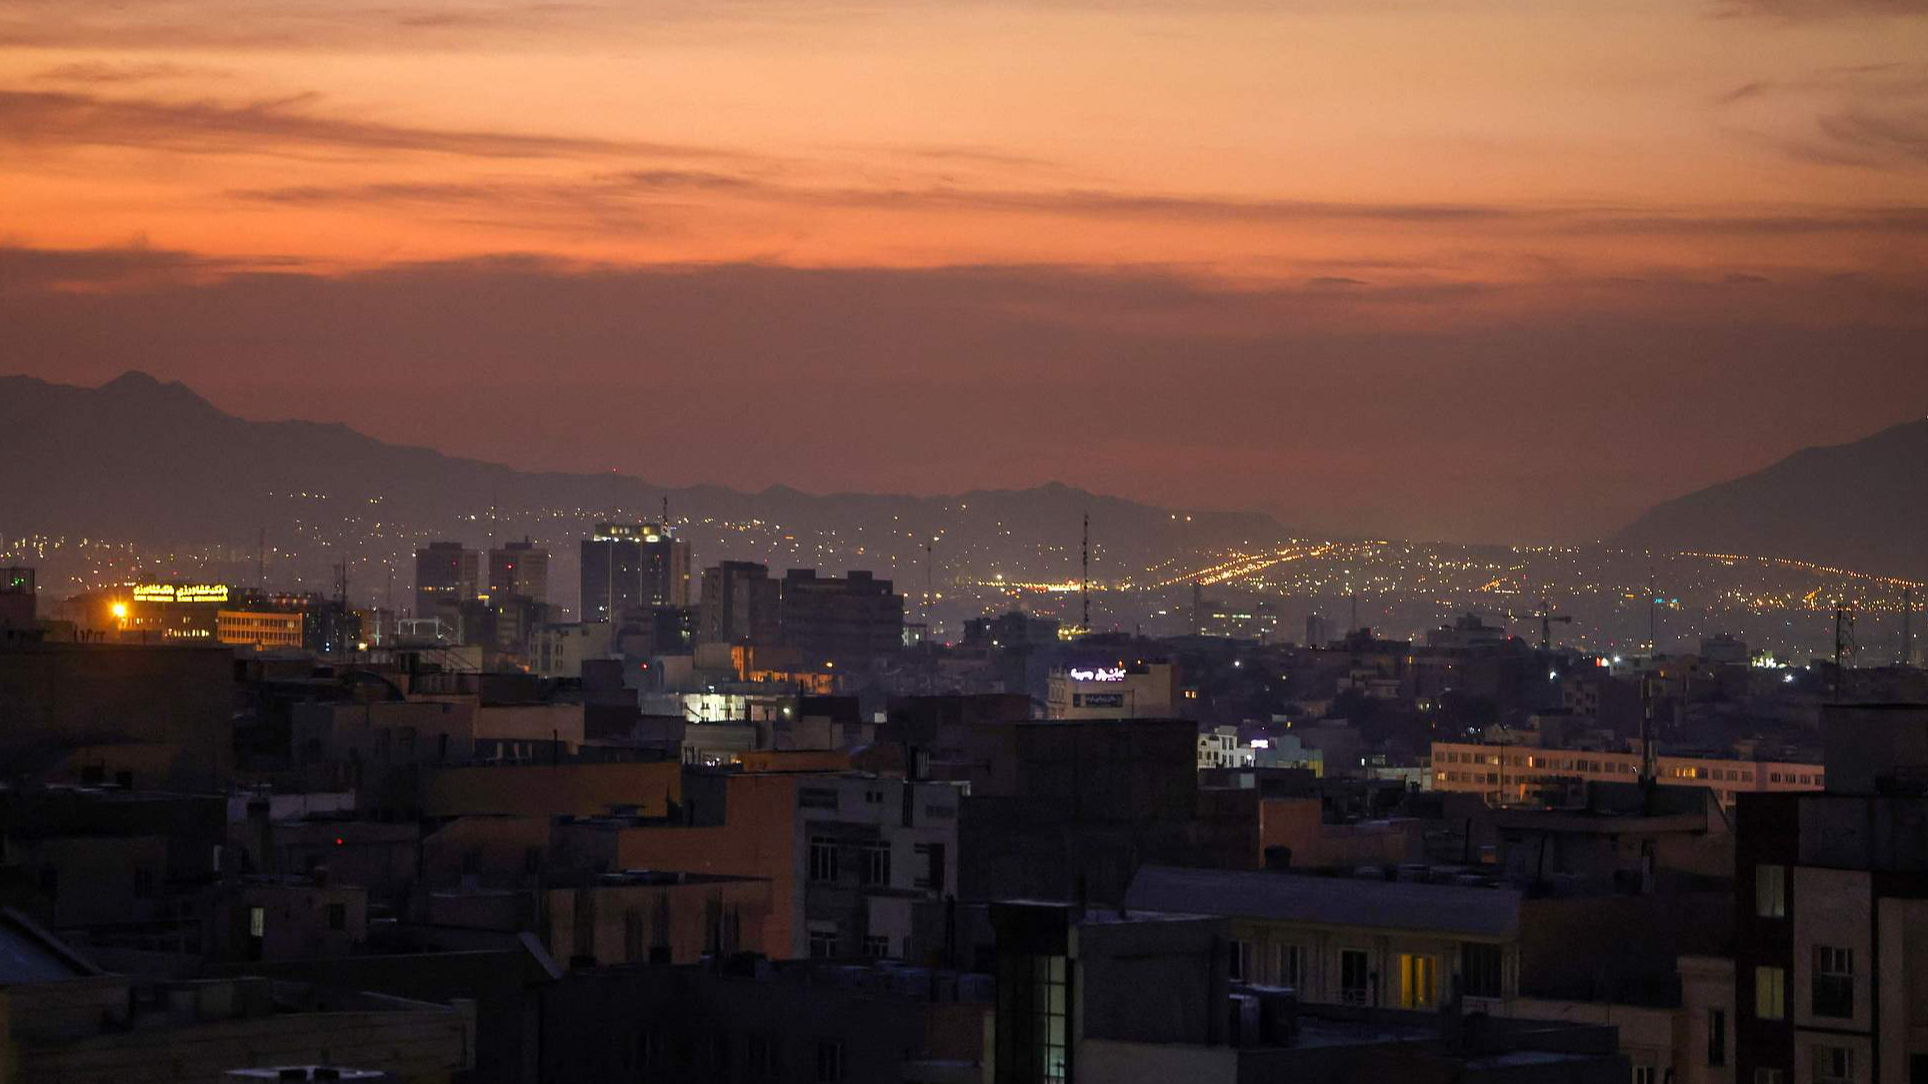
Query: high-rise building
[[626, 565], [847, 621], [741, 604], [519, 570], [446, 574]]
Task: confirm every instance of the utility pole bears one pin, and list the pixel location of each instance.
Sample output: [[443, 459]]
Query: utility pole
[[1843, 648], [1907, 626], [1653, 614]]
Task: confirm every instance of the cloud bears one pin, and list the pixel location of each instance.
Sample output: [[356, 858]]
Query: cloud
[[280, 126], [1803, 10], [614, 198], [1879, 138], [107, 72]]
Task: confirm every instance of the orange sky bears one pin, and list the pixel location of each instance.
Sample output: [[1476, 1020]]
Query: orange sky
[[1404, 166]]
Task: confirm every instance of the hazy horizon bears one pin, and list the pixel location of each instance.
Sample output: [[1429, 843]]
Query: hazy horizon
[[1464, 271]]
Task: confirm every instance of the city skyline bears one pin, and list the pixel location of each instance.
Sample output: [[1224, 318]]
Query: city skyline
[[1465, 273]]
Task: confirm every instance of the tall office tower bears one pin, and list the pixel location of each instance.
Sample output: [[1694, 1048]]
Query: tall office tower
[[741, 604], [612, 570], [445, 575], [519, 570], [627, 565], [666, 568]]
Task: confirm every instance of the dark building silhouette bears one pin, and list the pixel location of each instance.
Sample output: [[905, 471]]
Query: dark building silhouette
[[741, 605], [446, 574], [519, 570], [842, 621]]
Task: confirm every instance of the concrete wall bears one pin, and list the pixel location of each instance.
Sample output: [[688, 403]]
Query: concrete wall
[[546, 790]]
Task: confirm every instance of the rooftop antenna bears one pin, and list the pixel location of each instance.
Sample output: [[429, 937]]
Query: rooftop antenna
[[928, 594], [1084, 585], [261, 559], [665, 512], [1355, 611]]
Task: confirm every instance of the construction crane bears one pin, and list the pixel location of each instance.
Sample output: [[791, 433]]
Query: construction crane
[[1547, 620]]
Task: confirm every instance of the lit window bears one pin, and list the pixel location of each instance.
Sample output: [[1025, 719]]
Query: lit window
[[1418, 978], [1770, 993]]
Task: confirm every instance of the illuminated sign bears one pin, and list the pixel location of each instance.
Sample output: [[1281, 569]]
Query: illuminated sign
[[1109, 673], [187, 592]]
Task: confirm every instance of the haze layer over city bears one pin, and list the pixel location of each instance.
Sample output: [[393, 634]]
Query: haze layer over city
[[989, 542]]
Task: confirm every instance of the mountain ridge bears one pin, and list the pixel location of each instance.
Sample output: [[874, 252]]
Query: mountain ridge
[[154, 462], [1857, 505]]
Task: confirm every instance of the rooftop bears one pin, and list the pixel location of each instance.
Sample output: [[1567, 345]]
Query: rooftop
[[1328, 901]]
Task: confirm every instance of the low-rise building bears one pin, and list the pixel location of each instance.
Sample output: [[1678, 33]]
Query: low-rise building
[[1511, 774]]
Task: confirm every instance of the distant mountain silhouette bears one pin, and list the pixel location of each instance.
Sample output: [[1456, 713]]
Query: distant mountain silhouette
[[153, 463], [1861, 506]]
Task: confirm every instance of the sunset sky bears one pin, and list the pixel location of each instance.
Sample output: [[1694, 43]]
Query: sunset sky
[[1457, 268]]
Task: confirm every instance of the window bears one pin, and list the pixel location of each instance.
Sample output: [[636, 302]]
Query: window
[[823, 859], [1481, 971], [817, 798], [1770, 891], [1833, 981], [876, 864], [1643, 1074], [1418, 979], [1770, 993], [823, 944], [830, 1061], [1238, 960], [1716, 1037], [877, 948], [1049, 1011], [1833, 1064], [932, 879], [1770, 1076], [1355, 979], [337, 916], [1291, 971]]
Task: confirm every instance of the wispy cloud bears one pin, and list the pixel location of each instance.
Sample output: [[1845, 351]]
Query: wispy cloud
[[1803, 10], [279, 126], [94, 72]]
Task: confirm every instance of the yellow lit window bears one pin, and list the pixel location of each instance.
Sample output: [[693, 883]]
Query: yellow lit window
[[1418, 979]]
